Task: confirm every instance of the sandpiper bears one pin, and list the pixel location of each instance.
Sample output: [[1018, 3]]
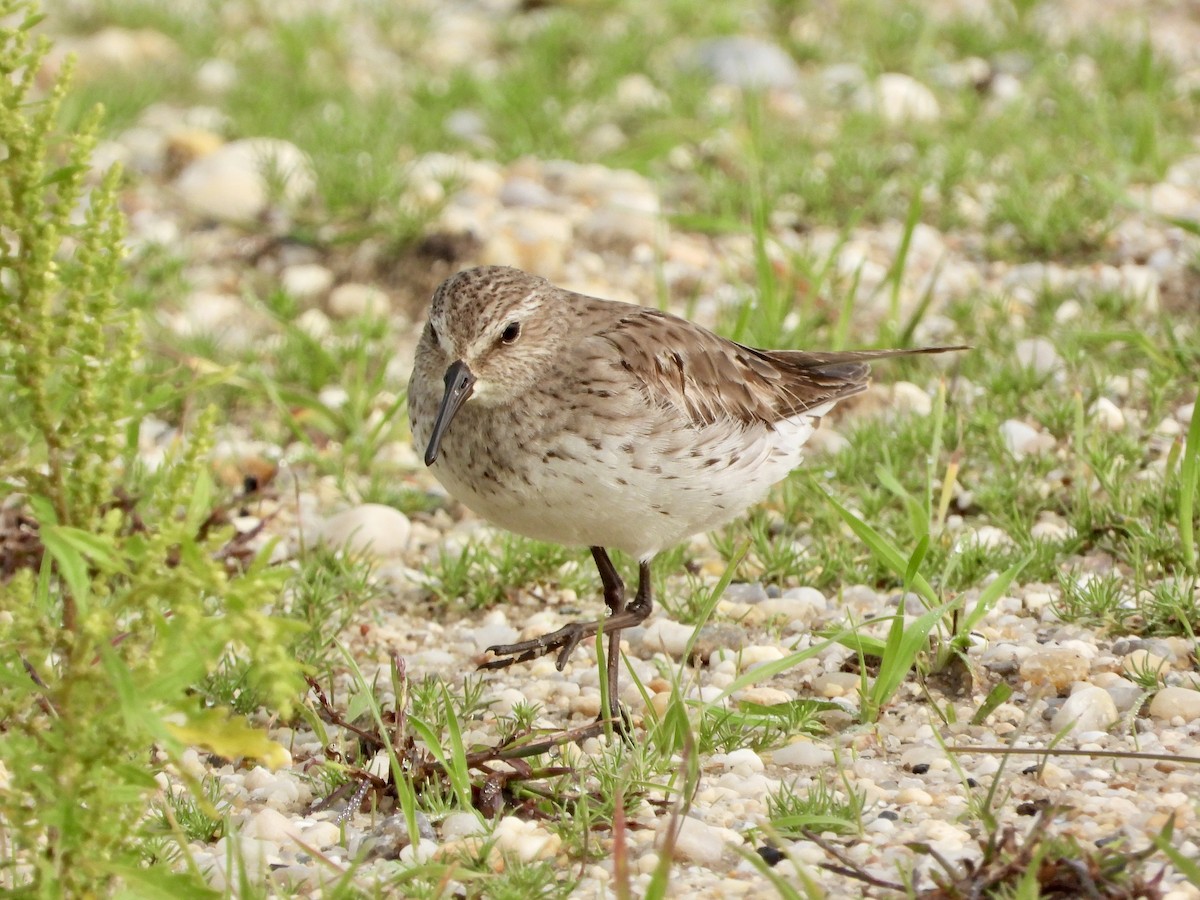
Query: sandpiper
[[589, 422]]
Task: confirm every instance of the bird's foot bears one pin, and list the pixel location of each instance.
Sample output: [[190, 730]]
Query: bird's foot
[[565, 640]]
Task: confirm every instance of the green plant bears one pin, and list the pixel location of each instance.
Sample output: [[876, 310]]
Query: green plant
[[820, 808], [123, 604]]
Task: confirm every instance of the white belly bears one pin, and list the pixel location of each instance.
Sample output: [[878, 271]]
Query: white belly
[[639, 496]]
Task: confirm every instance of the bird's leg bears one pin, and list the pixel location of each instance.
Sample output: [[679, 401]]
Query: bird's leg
[[614, 599], [567, 638]]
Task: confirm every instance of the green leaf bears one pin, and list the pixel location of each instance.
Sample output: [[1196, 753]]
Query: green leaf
[[882, 548], [914, 561], [228, 735], [63, 174], [997, 695], [994, 592], [99, 549], [71, 565], [1189, 477]]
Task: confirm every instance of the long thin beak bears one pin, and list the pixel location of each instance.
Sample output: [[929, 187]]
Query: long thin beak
[[459, 384]]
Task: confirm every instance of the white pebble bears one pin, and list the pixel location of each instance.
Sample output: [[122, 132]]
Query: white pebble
[[804, 754], [1107, 415], [899, 98], [305, 281], [910, 399], [1088, 709], [700, 842], [525, 840], [461, 824], [350, 300], [237, 182], [371, 528], [667, 636], [1039, 355], [1023, 440], [1172, 702]]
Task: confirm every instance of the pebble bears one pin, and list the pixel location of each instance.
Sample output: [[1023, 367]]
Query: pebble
[[986, 536], [216, 76], [910, 399], [667, 636], [1039, 355], [372, 529], [1142, 662], [237, 182], [458, 825], [1055, 667], [1107, 415], [222, 318], [306, 281], [1176, 702], [803, 605], [698, 841], [804, 754], [526, 840], [351, 300], [1087, 709], [740, 592], [748, 62], [112, 49], [899, 98], [1023, 440]]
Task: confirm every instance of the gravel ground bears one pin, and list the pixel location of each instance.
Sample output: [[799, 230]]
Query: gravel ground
[[602, 231]]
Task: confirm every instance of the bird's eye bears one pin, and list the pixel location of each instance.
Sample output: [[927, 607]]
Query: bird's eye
[[511, 332]]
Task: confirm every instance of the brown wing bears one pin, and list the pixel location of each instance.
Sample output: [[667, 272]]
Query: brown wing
[[713, 379]]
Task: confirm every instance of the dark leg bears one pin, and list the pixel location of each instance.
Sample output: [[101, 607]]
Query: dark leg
[[614, 599], [567, 638]]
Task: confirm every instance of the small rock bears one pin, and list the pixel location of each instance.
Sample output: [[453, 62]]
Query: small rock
[[1107, 415], [306, 281], [741, 592], [238, 182], [1051, 530], [113, 49], [216, 76], [221, 317], [350, 300], [461, 824], [314, 323], [372, 529], [1039, 355], [1172, 702], [747, 62], [698, 841], [803, 753], [521, 191], [802, 604], [637, 92], [1088, 709], [910, 399], [899, 98], [526, 841], [1142, 662], [667, 636], [741, 762], [270, 825], [836, 684], [468, 125], [1024, 440], [987, 536], [1054, 666]]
